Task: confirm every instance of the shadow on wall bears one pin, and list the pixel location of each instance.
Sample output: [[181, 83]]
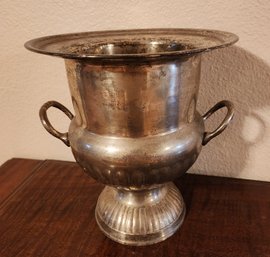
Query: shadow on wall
[[241, 150]]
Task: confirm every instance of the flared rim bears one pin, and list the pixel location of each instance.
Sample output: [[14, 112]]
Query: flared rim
[[131, 44]]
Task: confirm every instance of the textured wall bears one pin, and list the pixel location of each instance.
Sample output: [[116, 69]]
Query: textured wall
[[241, 73]]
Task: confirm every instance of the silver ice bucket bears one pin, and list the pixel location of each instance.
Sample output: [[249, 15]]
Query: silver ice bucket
[[136, 127]]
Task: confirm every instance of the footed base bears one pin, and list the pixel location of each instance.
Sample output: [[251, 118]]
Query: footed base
[[140, 217]]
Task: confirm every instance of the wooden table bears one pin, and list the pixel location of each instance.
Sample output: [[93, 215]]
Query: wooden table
[[47, 210]]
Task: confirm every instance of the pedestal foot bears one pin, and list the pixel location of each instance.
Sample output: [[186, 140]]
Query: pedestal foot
[[140, 217]]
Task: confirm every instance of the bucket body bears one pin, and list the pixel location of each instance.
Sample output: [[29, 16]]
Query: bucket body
[[135, 124]]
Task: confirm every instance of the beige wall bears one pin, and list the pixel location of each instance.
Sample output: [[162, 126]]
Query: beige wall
[[241, 74]]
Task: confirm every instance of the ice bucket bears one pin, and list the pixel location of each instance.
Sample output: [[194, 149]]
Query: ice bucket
[[136, 128]]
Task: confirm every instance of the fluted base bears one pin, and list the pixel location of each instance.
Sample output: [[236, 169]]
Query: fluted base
[[140, 217]]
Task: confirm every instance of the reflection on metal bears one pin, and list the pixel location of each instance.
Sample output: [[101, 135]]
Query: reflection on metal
[[136, 127]]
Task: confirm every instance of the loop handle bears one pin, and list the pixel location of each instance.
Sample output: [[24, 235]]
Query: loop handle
[[230, 112], [48, 126]]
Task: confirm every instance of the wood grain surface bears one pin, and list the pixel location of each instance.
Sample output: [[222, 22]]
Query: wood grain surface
[[13, 173], [50, 213]]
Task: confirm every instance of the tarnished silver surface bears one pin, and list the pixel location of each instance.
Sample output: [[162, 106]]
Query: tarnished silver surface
[[136, 127]]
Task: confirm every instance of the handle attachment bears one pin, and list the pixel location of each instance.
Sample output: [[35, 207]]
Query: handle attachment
[[48, 126], [230, 112]]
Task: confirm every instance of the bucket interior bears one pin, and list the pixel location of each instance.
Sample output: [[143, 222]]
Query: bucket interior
[[128, 48]]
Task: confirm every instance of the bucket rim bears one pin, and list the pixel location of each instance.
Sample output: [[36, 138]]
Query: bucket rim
[[156, 43]]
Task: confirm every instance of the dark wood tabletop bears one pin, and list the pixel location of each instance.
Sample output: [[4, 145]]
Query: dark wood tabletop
[[47, 210]]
